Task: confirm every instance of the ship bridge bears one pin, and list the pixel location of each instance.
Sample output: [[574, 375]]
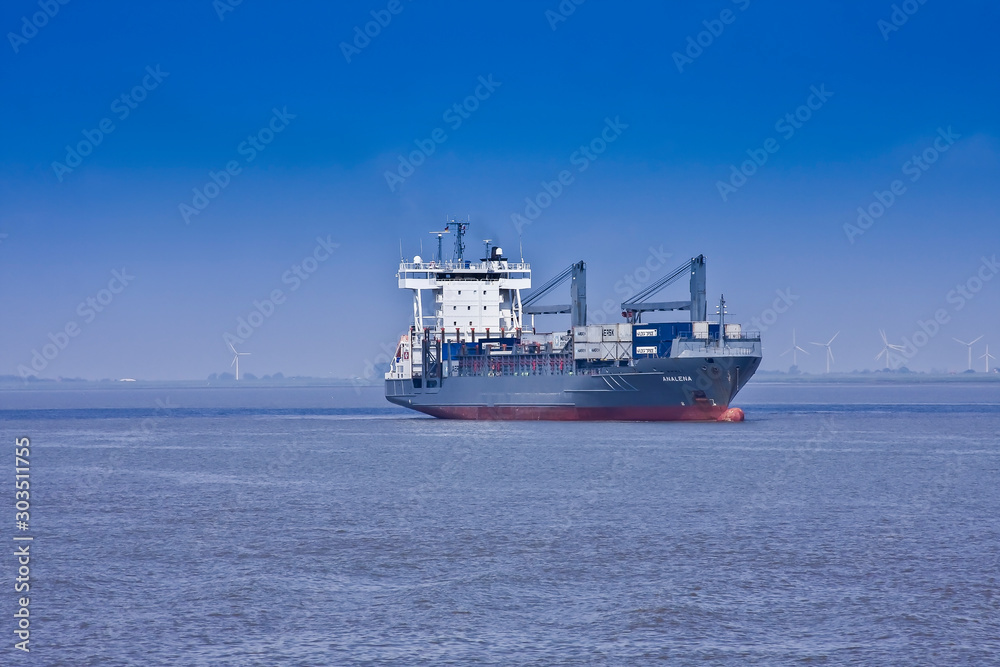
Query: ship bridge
[[461, 297]]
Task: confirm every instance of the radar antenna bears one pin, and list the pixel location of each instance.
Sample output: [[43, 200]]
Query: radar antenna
[[440, 255]]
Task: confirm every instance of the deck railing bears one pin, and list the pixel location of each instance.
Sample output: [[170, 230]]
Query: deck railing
[[464, 265], [746, 335]]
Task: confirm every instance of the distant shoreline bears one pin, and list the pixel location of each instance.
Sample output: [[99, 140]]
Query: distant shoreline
[[15, 384], [876, 378]]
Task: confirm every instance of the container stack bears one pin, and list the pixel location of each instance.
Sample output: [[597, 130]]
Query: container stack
[[603, 342]]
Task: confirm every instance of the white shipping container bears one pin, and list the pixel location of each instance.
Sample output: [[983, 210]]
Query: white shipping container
[[580, 334], [609, 332], [623, 351], [625, 331], [733, 330], [594, 333], [609, 351], [700, 329]]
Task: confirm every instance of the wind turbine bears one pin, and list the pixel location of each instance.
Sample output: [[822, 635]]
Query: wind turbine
[[236, 359], [794, 349], [829, 351], [885, 349], [987, 357], [969, 345]]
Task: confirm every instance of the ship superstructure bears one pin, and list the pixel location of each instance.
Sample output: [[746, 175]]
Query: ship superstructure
[[470, 354]]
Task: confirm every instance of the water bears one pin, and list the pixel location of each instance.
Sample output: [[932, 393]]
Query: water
[[839, 524]]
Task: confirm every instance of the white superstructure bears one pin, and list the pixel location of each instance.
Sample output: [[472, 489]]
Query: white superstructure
[[466, 300]]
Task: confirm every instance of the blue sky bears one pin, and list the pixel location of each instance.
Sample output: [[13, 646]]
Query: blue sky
[[208, 83]]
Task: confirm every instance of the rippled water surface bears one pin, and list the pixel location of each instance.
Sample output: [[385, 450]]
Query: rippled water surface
[[838, 524]]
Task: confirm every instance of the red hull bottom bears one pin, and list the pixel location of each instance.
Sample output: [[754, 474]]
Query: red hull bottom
[[573, 413]]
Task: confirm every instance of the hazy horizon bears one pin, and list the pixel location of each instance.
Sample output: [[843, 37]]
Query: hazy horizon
[[125, 120]]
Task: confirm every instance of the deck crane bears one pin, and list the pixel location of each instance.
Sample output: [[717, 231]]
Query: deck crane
[[638, 304], [578, 294]]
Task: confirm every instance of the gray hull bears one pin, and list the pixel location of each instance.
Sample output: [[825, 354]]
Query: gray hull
[[671, 389]]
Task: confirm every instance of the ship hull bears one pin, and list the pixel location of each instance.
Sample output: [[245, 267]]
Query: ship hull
[[574, 413], [673, 389]]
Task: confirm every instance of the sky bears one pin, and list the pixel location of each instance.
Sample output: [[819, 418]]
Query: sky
[[169, 168]]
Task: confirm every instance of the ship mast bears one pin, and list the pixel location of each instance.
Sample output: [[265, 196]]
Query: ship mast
[[722, 317], [440, 255], [460, 229]]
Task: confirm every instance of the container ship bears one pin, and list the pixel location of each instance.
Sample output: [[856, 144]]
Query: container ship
[[470, 354]]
